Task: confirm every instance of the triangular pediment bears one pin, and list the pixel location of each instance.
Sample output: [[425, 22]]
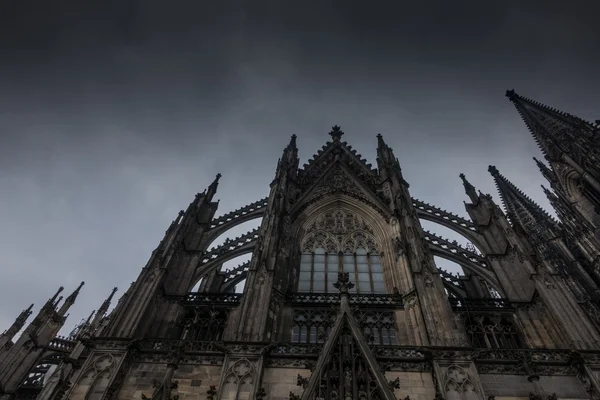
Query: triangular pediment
[[331, 153], [339, 179], [346, 368]]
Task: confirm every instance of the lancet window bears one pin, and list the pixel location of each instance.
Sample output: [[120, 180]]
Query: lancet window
[[340, 242], [203, 323], [379, 327], [312, 326], [492, 332]]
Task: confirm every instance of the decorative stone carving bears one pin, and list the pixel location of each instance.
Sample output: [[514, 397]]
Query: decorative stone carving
[[211, 393], [343, 283], [459, 385]]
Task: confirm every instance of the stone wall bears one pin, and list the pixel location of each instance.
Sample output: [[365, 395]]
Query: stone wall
[[517, 386], [193, 380], [279, 382], [418, 385]]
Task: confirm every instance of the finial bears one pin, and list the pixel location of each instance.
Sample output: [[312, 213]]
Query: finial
[[24, 314], [79, 287], [343, 283], [510, 94], [336, 133], [380, 143], [60, 289], [292, 144], [493, 170]]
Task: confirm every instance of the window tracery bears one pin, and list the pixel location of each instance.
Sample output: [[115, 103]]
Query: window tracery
[[204, 323], [340, 241], [312, 326], [492, 332]]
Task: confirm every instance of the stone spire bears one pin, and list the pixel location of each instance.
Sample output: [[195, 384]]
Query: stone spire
[[212, 189], [102, 311], [70, 300], [554, 131], [520, 208], [15, 327], [469, 189]]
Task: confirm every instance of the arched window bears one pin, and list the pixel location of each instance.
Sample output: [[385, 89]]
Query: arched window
[[340, 242], [319, 271], [492, 332]]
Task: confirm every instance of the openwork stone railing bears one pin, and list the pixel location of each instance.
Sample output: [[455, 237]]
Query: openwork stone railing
[[398, 352], [236, 272], [239, 213], [451, 279], [455, 248], [194, 299], [230, 245], [473, 304], [443, 214], [372, 300], [61, 344]]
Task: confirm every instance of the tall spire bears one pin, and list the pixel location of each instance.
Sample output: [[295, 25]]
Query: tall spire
[[554, 131], [469, 189], [520, 208], [70, 300], [15, 327], [212, 189], [102, 310]]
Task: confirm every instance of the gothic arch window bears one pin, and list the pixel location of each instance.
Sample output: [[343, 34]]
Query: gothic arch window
[[340, 241], [492, 332], [204, 323]]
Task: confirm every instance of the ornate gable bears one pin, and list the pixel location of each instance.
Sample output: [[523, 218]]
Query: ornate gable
[[339, 179], [329, 154], [346, 368]]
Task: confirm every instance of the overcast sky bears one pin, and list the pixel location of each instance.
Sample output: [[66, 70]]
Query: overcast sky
[[114, 113]]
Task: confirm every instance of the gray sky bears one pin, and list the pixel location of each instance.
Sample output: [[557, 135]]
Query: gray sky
[[115, 113]]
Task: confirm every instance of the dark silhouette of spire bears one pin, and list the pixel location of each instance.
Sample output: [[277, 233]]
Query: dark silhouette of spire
[[16, 326], [521, 209], [212, 189], [469, 189], [102, 310], [70, 300], [554, 131], [292, 144]]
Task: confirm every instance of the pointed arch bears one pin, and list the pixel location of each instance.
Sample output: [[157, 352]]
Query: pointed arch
[[476, 269], [350, 236]]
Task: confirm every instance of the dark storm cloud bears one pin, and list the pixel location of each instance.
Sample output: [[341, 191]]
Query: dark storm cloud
[[113, 114]]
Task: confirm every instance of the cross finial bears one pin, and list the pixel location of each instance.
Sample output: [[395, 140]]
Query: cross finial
[[336, 133]]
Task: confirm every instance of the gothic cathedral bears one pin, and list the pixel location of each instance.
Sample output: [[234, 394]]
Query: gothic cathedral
[[342, 298]]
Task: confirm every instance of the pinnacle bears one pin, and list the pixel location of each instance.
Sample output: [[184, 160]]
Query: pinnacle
[[493, 170]]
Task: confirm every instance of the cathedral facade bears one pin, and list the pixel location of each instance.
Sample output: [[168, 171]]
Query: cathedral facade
[[342, 298]]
